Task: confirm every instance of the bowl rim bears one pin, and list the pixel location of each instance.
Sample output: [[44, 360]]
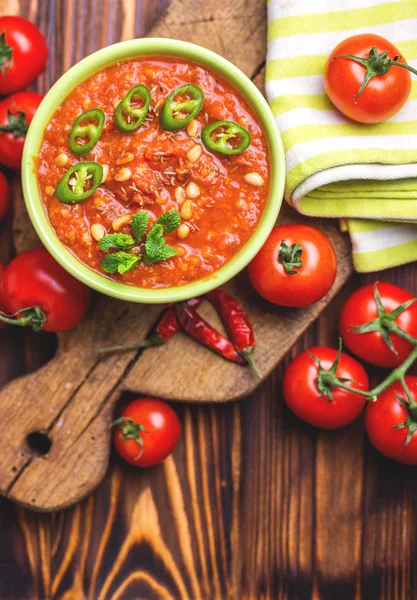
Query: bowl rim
[[84, 69]]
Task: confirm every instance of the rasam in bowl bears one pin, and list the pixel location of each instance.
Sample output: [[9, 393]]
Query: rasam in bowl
[[161, 127]]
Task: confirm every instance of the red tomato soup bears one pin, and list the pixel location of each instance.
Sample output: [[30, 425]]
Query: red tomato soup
[[220, 197]]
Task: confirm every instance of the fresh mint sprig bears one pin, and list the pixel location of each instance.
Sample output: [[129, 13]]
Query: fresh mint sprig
[[169, 220], [139, 224], [116, 241], [119, 262], [156, 249]]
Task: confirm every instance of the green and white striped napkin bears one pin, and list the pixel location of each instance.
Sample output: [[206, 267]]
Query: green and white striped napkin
[[366, 174]]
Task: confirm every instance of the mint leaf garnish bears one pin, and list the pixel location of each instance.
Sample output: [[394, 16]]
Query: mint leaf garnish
[[155, 247], [164, 253], [117, 241], [119, 262], [170, 220], [139, 224]]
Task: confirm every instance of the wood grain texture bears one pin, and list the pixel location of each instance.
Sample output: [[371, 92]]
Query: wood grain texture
[[253, 505], [80, 389]]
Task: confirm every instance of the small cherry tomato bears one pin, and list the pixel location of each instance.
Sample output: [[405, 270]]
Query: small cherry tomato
[[4, 196], [308, 387], [16, 114], [54, 300], [146, 432], [383, 417], [367, 79], [23, 54], [373, 345], [296, 266]]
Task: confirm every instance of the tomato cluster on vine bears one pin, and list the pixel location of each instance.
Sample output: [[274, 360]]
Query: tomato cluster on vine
[[329, 389]]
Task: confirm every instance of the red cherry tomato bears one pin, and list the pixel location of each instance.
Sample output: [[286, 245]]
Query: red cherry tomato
[[304, 398], [2, 307], [16, 114], [360, 308], [296, 275], [383, 96], [34, 278], [4, 196], [23, 54], [384, 415], [152, 430]]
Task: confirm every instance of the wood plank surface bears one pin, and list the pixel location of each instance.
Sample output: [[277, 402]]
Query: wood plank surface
[[253, 504]]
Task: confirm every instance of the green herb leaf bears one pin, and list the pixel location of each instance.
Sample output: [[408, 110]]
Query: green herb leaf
[[155, 247], [170, 220], [139, 224], [120, 262], [118, 241]]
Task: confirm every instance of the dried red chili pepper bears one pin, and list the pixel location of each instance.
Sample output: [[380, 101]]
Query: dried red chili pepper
[[204, 333], [237, 324], [166, 328]]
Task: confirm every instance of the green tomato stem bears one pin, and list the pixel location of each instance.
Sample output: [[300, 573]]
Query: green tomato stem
[[347, 387], [376, 65], [394, 328], [396, 375], [33, 315]]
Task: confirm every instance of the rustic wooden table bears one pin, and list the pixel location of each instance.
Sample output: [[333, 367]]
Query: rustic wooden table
[[253, 504]]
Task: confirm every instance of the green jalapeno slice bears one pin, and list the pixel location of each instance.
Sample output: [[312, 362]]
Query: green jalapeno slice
[[226, 137], [128, 116], [176, 115], [88, 126], [79, 182]]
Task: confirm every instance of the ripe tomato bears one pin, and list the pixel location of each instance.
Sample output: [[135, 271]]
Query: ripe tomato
[[147, 432], [384, 415], [384, 94], [16, 113], [35, 279], [23, 54], [296, 266], [4, 196], [303, 378], [2, 308], [361, 308]]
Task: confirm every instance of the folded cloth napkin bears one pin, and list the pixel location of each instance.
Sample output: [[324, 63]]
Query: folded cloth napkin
[[336, 167]]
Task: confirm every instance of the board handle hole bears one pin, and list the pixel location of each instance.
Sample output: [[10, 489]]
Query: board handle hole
[[39, 442]]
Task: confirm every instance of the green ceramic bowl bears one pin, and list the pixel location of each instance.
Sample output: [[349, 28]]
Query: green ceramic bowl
[[86, 68]]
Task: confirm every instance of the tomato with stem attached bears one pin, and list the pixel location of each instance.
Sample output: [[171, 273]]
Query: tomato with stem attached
[[146, 432], [296, 266], [318, 386], [16, 114], [378, 323], [367, 79], [4, 196], [37, 291], [23, 54], [391, 421]]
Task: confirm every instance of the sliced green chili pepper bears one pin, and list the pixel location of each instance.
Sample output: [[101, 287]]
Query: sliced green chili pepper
[[73, 187], [172, 113], [88, 125], [129, 118], [216, 137]]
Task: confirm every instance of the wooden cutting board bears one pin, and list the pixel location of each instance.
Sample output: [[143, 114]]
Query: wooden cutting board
[[71, 400]]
